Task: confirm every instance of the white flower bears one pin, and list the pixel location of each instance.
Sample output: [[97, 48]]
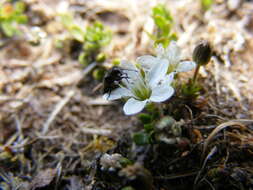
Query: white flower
[[143, 86], [172, 53]]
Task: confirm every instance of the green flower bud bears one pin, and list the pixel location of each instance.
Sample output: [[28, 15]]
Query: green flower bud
[[98, 74], [82, 59], [202, 53], [101, 58], [116, 62]]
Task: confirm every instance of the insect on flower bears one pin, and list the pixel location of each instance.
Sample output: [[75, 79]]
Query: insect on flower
[[113, 79], [143, 86]]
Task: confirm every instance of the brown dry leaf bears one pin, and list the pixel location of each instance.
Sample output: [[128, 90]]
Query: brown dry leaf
[[43, 178]]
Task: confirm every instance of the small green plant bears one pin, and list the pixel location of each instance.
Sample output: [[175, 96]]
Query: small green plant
[[148, 121], [93, 38], [191, 89], [11, 15], [206, 4], [164, 22], [145, 137], [201, 56], [149, 83], [158, 129], [150, 79]]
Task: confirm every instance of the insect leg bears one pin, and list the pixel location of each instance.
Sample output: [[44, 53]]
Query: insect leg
[[109, 94]]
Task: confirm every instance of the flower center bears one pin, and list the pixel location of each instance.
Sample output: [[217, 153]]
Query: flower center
[[172, 68], [141, 90]]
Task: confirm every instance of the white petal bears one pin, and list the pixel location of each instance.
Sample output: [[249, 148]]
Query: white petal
[[158, 72], [185, 66], [147, 61], [117, 94], [160, 50], [161, 93], [173, 53], [133, 106], [129, 69], [173, 49], [168, 79]]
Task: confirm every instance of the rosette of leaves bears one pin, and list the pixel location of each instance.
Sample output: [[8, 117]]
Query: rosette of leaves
[[93, 38], [11, 15], [164, 22], [96, 37]]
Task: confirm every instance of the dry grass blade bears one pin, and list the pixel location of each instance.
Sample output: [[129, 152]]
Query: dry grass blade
[[53, 114], [211, 153], [103, 132], [221, 127], [175, 176], [57, 110], [4, 175]]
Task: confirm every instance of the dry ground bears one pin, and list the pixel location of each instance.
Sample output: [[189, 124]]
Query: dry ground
[[49, 116]]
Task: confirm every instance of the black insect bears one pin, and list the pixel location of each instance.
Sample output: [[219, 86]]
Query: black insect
[[113, 79]]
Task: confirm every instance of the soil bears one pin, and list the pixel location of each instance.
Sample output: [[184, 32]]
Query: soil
[[55, 127]]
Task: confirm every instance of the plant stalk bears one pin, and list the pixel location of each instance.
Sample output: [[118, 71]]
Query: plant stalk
[[196, 74]]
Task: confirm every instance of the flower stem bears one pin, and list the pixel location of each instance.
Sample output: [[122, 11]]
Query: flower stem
[[196, 74]]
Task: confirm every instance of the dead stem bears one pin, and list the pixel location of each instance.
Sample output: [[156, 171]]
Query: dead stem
[[222, 126], [59, 106]]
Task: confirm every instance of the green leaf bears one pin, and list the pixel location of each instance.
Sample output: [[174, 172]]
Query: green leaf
[[145, 118], [163, 40], [191, 89], [163, 21], [77, 33], [8, 29], [141, 138], [96, 37], [160, 21], [161, 10], [151, 36], [82, 59], [19, 7], [22, 19], [125, 162], [67, 20], [148, 127], [11, 16], [150, 107]]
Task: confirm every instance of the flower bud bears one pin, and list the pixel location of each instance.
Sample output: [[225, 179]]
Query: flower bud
[[99, 74], [101, 58], [202, 53]]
